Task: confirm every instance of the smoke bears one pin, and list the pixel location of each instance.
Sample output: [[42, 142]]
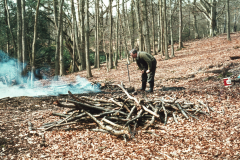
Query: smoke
[[13, 84]]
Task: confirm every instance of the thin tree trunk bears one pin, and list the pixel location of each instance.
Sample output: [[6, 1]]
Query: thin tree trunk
[[75, 32], [123, 29], [165, 29], [61, 60], [171, 30], [140, 39], [9, 27], [145, 27], [19, 35], [97, 57], [117, 37], [88, 65], [83, 55], [24, 58], [196, 35], [133, 33], [34, 40], [180, 25], [228, 22], [110, 37], [161, 27], [153, 30]]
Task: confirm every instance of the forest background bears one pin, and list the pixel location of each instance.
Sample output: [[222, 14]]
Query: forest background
[[60, 35]]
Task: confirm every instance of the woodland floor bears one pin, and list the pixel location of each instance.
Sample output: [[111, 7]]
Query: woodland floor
[[215, 137]]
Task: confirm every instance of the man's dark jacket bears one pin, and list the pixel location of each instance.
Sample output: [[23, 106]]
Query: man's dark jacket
[[146, 61]]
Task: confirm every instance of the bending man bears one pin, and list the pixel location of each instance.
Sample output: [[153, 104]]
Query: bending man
[[147, 64]]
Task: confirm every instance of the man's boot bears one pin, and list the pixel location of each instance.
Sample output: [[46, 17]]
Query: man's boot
[[143, 87], [151, 87]]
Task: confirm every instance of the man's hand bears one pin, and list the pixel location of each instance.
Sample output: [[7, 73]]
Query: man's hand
[[147, 71]]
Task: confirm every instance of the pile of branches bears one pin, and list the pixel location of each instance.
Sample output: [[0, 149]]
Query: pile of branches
[[122, 115]]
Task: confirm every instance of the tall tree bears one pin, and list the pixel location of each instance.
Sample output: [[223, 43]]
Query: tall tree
[[161, 26], [117, 36], [9, 27], [19, 34], [171, 29], [75, 33], [209, 11], [153, 28], [228, 21], [145, 26], [88, 65], [180, 25], [58, 26], [139, 23], [110, 36], [196, 35], [34, 39], [165, 29], [124, 31], [24, 53], [97, 56], [82, 14]]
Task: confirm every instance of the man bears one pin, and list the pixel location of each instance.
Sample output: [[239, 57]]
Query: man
[[147, 64]]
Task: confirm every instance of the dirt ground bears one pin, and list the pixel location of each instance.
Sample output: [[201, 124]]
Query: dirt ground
[[195, 73]]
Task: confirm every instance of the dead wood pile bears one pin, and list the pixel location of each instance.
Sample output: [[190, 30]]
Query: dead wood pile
[[121, 115]]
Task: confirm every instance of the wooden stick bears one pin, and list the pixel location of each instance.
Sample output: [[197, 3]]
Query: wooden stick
[[165, 113], [108, 128], [113, 124], [152, 121], [149, 111], [185, 115], [129, 115], [137, 117], [175, 117]]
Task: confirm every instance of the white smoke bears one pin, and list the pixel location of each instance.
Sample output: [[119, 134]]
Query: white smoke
[[12, 84]]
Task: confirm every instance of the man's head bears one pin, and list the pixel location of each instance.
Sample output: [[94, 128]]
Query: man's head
[[133, 53]]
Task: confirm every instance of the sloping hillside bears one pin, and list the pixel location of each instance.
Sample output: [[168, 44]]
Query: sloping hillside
[[195, 73]]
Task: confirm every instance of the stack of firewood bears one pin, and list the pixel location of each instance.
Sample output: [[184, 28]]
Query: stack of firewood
[[122, 115]]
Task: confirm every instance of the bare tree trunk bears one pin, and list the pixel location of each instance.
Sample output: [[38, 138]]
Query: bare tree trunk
[[153, 30], [213, 23], [196, 35], [9, 27], [171, 30], [159, 30], [145, 27], [117, 32], [24, 58], [110, 37], [228, 22], [88, 65], [133, 33], [140, 36], [83, 55], [34, 40], [19, 35], [180, 25], [97, 56], [161, 26], [61, 60], [123, 29], [75, 33], [165, 29]]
